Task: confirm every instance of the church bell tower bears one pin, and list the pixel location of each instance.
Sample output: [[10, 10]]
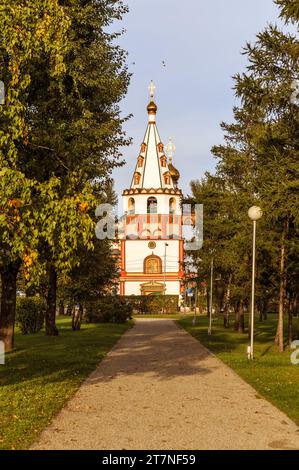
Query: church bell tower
[[151, 243]]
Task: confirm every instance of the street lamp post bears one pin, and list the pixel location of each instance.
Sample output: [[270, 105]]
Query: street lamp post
[[254, 213], [211, 297], [195, 307], [165, 247]]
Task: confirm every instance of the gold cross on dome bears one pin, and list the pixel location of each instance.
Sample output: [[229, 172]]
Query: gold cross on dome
[[152, 89]]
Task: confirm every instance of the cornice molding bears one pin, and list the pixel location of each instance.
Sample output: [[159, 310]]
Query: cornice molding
[[132, 191]]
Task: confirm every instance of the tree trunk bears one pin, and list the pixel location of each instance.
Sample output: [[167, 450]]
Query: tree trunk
[[61, 308], [282, 290], [227, 304], [69, 310], [291, 313], [51, 329], [290, 326], [265, 309], [8, 306], [260, 312], [295, 311], [239, 323], [208, 302], [77, 317]]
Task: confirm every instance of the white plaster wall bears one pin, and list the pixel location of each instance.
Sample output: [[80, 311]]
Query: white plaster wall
[[133, 287], [138, 250]]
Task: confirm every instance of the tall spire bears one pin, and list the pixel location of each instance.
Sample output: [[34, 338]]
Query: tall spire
[[152, 170]]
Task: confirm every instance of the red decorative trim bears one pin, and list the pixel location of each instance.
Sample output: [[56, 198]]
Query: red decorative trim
[[170, 276], [123, 256], [181, 255]]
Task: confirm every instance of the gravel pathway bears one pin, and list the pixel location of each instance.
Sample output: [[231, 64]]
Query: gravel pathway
[[158, 388]]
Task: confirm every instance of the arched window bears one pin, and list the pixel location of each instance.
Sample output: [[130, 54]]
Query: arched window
[[131, 206], [152, 205], [140, 162], [153, 265], [143, 147], [172, 206]]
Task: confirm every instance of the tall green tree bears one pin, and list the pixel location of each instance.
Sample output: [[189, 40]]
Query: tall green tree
[[28, 29], [64, 77], [289, 10], [76, 133], [258, 164], [273, 136], [96, 274]]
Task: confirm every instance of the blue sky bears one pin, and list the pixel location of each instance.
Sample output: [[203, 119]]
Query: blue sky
[[201, 43]]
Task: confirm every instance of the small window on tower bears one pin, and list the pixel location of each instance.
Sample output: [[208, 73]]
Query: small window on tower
[[143, 147], [140, 162], [163, 161], [137, 178], [167, 178], [160, 147]]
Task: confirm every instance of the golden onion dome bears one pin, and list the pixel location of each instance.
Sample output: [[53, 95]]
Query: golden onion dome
[[152, 107], [174, 173]]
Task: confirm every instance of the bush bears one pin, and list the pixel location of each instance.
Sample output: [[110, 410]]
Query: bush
[[108, 309], [30, 314]]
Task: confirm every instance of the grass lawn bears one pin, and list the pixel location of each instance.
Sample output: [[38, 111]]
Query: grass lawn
[[271, 373], [43, 373]]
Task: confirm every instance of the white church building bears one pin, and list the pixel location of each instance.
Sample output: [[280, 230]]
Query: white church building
[[150, 235]]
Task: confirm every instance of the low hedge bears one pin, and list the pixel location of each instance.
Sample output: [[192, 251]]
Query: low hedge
[[108, 309], [30, 314], [119, 309], [153, 304]]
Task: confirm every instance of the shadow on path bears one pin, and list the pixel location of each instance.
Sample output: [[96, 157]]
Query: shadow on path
[[158, 348]]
